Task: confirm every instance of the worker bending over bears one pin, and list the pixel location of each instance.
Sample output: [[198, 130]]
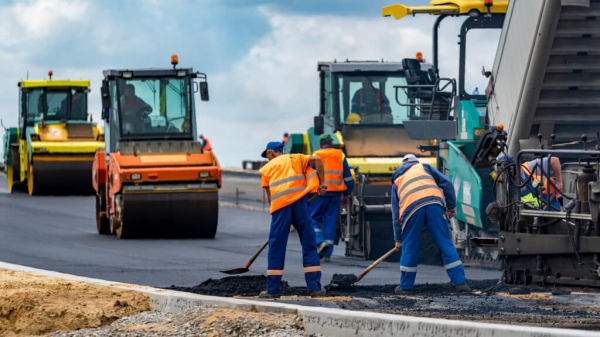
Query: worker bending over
[[538, 186], [325, 210], [417, 201], [284, 180], [206, 146]]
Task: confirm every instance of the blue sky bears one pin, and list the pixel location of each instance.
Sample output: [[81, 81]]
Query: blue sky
[[260, 55]]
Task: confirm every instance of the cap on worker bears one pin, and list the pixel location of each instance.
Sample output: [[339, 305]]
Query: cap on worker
[[273, 146], [410, 158], [325, 138]]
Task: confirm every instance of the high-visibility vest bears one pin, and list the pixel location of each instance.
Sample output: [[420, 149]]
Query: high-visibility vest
[[535, 176], [285, 139], [207, 146], [414, 185], [287, 182], [333, 164]]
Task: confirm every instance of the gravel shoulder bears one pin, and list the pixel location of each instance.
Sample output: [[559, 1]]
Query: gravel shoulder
[[200, 321], [33, 305]]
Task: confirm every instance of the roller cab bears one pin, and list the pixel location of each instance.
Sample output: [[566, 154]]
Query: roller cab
[[52, 149], [153, 179]]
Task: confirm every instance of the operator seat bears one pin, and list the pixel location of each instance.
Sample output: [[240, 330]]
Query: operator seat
[[428, 80]]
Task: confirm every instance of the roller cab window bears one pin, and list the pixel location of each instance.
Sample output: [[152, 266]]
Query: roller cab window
[[370, 99], [55, 104], [154, 107]]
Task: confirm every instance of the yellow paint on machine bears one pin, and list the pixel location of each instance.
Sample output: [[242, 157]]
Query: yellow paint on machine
[[439, 7], [66, 147], [383, 165], [62, 158], [164, 159], [53, 83]]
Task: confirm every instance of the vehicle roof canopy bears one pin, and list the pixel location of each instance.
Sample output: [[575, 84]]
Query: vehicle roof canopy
[[150, 72], [367, 66], [53, 83], [350, 66]]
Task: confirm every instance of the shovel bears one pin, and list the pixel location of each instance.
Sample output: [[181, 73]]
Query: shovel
[[349, 279], [262, 247]]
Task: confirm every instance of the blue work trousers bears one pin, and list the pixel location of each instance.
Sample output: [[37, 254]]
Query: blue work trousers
[[433, 216], [296, 214], [324, 212]]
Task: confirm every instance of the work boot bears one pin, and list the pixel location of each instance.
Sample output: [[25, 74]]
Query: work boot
[[318, 293], [321, 248], [326, 259], [463, 288], [265, 294], [400, 291]]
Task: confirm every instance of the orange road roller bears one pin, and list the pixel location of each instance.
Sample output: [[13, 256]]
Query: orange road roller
[[153, 179]]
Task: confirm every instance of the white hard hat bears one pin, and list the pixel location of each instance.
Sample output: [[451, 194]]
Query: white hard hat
[[410, 158]]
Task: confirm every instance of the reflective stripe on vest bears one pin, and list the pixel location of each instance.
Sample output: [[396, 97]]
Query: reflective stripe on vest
[[415, 184], [535, 176], [333, 163], [286, 186]]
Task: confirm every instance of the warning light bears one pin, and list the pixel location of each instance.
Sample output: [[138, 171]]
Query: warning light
[[488, 3], [50, 73], [174, 60], [419, 56], [500, 127]]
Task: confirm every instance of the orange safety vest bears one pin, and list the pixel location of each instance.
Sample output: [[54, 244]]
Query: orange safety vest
[[414, 185], [285, 139], [287, 180], [333, 163], [535, 176], [207, 147]]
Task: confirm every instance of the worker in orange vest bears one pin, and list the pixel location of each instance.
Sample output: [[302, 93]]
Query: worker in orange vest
[[285, 138], [325, 211], [205, 143], [423, 196], [284, 180]]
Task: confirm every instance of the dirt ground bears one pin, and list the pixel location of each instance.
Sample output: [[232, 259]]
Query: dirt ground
[[32, 305]]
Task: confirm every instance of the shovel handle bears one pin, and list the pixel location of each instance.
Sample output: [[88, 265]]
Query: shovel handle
[[260, 249], [313, 198], [374, 264]]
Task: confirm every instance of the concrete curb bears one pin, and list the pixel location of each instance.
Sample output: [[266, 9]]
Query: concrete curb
[[326, 321]]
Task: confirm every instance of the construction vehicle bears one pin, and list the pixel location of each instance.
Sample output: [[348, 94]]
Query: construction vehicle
[[358, 109], [153, 179], [543, 87], [463, 128], [52, 149]]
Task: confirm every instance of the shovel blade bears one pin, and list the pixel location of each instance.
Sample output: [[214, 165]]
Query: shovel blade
[[235, 271], [344, 279]]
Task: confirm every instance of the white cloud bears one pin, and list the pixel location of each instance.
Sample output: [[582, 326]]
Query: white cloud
[[274, 88], [270, 90]]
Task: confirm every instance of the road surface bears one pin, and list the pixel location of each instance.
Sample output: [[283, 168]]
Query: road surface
[[59, 234]]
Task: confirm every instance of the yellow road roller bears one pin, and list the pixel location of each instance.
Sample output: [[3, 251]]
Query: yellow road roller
[[52, 149]]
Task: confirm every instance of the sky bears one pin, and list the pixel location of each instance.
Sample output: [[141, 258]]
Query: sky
[[260, 55]]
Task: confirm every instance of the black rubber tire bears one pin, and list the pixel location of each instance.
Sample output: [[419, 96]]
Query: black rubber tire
[[102, 222]]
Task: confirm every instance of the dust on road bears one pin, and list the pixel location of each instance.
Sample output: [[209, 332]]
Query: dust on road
[[32, 305]]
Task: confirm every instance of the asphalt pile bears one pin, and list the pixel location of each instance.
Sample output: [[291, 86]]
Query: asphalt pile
[[254, 284], [541, 307]]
